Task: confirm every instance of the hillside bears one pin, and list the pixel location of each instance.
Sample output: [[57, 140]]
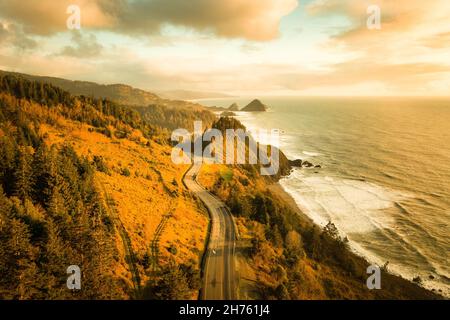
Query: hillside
[[87, 182], [191, 95], [90, 182], [119, 93], [282, 254]]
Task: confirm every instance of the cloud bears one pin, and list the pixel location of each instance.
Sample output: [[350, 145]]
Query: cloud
[[399, 12], [3, 33], [85, 46], [401, 53], [398, 18], [437, 41], [13, 35], [249, 19], [398, 77], [334, 53], [46, 17]]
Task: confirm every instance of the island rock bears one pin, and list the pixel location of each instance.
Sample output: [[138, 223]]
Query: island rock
[[255, 106], [296, 163], [307, 164]]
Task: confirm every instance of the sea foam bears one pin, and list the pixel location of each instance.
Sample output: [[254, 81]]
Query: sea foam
[[362, 212], [353, 206]]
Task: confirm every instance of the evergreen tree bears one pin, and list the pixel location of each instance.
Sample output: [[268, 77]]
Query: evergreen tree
[[260, 214], [7, 163], [23, 174], [173, 284], [40, 173], [17, 260]]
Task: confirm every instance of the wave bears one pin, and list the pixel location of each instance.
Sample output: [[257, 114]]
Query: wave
[[369, 215], [408, 228], [350, 203], [311, 154]]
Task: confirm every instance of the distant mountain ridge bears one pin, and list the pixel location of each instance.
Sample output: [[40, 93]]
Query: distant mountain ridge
[[191, 95], [119, 93]]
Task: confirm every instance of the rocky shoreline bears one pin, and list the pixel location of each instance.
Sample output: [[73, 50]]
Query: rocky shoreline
[[279, 190], [298, 163]]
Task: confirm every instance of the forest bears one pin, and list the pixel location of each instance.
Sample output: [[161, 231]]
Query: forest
[[51, 213], [174, 118], [51, 216]]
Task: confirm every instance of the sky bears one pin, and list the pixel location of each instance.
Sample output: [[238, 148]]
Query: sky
[[238, 47]]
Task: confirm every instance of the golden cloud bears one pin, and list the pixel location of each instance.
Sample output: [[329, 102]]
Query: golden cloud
[[400, 19], [45, 17], [250, 19]]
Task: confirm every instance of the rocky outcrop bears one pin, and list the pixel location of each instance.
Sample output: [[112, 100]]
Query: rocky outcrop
[[307, 164], [284, 166], [296, 163], [255, 106]]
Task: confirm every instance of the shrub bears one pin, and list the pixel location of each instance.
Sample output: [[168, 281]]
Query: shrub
[[281, 292], [100, 164], [125, 172], [172, 249]]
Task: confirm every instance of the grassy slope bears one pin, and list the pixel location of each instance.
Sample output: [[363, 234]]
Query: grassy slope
[[140, 184], [153, 189]]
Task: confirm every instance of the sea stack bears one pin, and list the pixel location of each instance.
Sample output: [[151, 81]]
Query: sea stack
[[255, 106], [233, 107]]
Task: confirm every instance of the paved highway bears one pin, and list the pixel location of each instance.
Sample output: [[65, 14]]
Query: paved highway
[[219, 282]]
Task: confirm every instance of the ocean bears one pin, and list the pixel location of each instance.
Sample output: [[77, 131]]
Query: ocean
[[385, 176]]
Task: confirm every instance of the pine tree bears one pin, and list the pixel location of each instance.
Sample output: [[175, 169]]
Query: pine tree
[[260, 214], [54, 200], [23, 175], [7, 163], [54, 265], [20, 89], [173, 284], [17, 260], [40, 173]]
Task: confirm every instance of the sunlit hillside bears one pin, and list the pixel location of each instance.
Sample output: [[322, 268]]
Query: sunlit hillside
[[145, 187], [153, 222]]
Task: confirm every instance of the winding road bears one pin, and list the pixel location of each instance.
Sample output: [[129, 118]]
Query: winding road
[[219, 279]]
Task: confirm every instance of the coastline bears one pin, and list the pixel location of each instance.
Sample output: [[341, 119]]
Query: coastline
[[429, 284], [278, 190]]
